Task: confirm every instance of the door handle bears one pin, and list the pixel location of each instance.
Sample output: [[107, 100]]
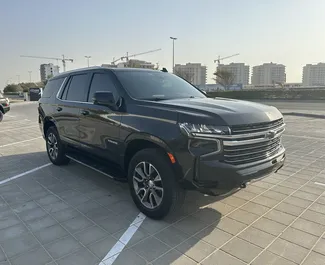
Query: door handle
[[85, 112], [58, 108]]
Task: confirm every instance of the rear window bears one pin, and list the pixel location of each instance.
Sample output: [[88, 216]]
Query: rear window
[[52, 87]]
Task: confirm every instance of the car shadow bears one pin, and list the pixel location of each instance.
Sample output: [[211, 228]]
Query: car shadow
[[188, 231], [192, 228]]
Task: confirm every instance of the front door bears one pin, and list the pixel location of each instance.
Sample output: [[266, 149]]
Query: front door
[[67, 109], [99, 125]]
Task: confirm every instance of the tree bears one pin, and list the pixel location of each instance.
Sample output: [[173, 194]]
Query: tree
[[185, 75], [22, 87], [224, 78], [12, 88]]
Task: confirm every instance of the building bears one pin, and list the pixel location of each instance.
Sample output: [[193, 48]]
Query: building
[[195, 73], [132, 63], [313, 74], [48, 70], [268, 74], [109, 65], [240, 72]]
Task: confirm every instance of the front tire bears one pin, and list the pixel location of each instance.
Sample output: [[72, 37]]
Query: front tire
[[55, 148], [153, 184]]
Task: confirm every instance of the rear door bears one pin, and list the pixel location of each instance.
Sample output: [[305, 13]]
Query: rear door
[[99, 125], [67, 111]]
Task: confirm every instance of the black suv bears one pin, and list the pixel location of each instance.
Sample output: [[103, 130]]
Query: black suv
[[159, 133]]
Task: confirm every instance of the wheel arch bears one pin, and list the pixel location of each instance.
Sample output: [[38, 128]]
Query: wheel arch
[[48, 122], [140, 141]]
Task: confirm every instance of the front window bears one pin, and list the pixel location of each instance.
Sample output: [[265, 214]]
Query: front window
[[156, 85]]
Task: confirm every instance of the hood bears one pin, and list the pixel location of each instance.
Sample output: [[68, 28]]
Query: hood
[[221, 111]]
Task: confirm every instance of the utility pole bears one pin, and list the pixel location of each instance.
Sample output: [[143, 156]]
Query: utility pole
[[18, 78], [30, 76], [87, 57], [173, 39]]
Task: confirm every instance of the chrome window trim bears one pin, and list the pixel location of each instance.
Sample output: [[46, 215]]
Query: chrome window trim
[[69, 101]]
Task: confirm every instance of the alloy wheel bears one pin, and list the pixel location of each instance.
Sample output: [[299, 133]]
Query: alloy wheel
[[148, 185], [52, 144]]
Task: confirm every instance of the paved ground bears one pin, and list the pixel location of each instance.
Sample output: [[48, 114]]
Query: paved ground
[[312, 105], [73, 215]]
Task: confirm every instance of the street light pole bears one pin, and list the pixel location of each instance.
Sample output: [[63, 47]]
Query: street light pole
[[87, 57], [30, 76], [173, 39]]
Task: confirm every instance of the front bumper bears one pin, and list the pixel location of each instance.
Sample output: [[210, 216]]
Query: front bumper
[[217, 178]]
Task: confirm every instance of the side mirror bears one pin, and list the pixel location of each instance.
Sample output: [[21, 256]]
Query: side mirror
[[105, 99]]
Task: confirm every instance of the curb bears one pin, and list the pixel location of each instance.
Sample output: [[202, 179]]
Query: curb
[[309, 115]]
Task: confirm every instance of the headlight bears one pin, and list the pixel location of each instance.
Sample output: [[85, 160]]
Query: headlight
[[203, 130]]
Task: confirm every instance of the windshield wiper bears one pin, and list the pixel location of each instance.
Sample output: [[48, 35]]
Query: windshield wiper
[[154, 99]]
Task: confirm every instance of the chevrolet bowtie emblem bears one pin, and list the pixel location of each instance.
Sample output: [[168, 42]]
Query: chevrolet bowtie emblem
[[270, 134]]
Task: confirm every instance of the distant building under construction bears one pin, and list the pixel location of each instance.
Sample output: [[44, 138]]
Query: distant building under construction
[[132, 63]]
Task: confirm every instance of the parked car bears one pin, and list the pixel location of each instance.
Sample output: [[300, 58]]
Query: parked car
[[159, 133], [4, 105]]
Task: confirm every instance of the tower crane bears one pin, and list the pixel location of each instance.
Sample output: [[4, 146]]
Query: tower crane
[[63, 59], [132, 55], [219, 59]]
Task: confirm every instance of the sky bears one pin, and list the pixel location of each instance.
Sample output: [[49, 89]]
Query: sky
[[290, 32]]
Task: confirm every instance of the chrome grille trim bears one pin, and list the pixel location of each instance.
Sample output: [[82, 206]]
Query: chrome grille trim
[[238, 136], [250, 148], [266, 126]]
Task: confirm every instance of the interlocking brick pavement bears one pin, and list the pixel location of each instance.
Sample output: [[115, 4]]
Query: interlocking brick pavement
[[73, 215]]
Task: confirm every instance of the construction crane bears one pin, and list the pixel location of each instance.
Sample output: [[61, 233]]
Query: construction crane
[[133, 55], [219, 59], [63, 59]]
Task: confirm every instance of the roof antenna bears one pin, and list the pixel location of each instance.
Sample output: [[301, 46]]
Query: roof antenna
[[164, 70]]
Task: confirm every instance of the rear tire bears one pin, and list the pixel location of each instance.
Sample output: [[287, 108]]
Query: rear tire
[[153, 184], [55, 148]]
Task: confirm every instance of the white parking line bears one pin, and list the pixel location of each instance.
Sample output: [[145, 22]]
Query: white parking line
[[20, 142], [116, 250], [319, 183], [24, 173], [20, 121], [15, 129]]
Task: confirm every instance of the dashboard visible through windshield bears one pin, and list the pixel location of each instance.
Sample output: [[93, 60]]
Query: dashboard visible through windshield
[[151, 85]]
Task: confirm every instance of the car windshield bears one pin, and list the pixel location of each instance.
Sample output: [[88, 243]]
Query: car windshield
[[151, 85]]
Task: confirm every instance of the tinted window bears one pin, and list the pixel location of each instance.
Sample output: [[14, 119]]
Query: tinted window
[[52, 87], [77, 88], [156, 85], [65, 91], [101, 82]]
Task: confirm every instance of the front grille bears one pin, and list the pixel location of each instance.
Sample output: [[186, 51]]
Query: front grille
[[249, 143], [257, 127]]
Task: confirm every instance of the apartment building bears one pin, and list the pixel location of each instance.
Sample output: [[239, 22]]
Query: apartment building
[[268, 74], [313, 74], [240, 72], [195, 73], [48, 70]]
